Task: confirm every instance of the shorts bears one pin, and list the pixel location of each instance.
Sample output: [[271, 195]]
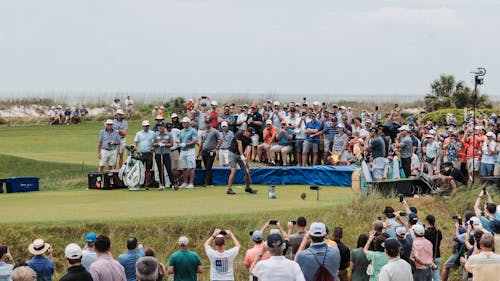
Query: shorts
[[235, 161], [187, 159], [452, 261], [121, 147], [265, 146], [147, 159], [299, 145], [496, 171], [326, 145], [223, 157], [487, 169], [108, 158], [476, 165], [174, 156], [310, 147], [255, 140], [281, 148]]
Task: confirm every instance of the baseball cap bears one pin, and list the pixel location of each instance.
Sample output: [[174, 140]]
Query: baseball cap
[[254, 105], [183, 241], [73, 251], [334, 119], [413, 209], [404, 128], [174, 115], [412, 218], [161, 124], [490, 134], [400, 231], [214, 102], [246, 105], [268, 121], [276, 103], [340, 126], [391, 244], [274, 240], [168, 125], [283, 122], [119, 111], [257, 236], [316, 103], [223, 124], [159, 117], [419, 229], [109, 122], [432, 132], [317, 229], [145, 123], [186, 120], [91, 237], [251, 130]]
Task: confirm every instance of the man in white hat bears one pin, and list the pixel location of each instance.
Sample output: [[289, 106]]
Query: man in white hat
[[143, 141], [121, 126], [76, 271], [129, 106], [159, 119], [175, 121], [187, 142], [115, 105], [108, 142], [184, 264], [405, 146], [227, 137], [489, 155], [43, 266]]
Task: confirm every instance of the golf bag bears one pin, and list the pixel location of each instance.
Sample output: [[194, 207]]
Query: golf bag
[[132, 171]]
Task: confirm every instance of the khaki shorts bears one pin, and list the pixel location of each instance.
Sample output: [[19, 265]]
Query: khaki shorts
[[476, 165], [224, 157], [121, 147], [280, 148], [255, 140], [174, 156], [108, 158]]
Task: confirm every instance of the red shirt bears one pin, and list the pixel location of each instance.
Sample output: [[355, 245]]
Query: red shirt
[[476, 146]]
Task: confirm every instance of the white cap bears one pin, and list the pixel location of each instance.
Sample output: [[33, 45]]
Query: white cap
[[73, 251], [419, 229], [174, 115], [342, 107], [52, 107], [159, 117], [490, 134], [268, 121], [478, 127], [213, 102], [119, 111], [109, 122], [183, 241], [223, 124], [162, 107], [186, 120], [404, 128], [145, 123], [340, 125], [317, 229], [276, 103], [432, 132], [316, 103]]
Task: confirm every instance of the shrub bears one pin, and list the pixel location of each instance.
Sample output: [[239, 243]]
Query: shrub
[[439, 116]]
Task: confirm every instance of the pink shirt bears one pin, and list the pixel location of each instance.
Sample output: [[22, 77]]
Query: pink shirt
[[252, 254], [422, 249], [105, 268]]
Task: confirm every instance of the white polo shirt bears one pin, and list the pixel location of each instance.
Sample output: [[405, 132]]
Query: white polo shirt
[[278, 268]]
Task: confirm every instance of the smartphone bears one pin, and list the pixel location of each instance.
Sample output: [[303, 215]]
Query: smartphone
[[401, 197], [273, 221], [250, 233], [460, 221], [223, 232], [484, 189], [294, 222], [403, 214], [204, 97], [379, 218], [376, 108]]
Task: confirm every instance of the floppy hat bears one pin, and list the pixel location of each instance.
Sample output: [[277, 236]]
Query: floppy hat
[[38, 247], [174, 115]]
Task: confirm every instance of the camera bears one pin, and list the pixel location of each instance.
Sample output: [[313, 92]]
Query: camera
[[401, 197], [223, 232], [294, 222], [376, 108], [273, 221], [458, 218], [403, 214]]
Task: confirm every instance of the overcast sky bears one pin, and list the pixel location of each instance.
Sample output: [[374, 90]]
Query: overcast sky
[[253, 46]]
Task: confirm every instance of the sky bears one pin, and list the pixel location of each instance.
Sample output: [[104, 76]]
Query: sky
[[360, 47]]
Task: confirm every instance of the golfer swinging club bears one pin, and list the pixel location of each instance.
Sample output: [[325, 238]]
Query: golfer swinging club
[[237, 157]]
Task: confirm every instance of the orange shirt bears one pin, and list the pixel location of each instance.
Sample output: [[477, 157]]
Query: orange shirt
[[476, 146], [251, 254], [269, 134]]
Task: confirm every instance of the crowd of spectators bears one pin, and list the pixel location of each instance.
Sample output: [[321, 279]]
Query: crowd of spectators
[[403, 245], [59, 116]]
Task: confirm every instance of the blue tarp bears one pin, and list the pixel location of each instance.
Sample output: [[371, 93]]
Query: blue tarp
[[316, 175]]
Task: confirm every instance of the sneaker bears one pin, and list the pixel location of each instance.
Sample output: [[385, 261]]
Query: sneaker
[[272, 163], [210, 185], [183, 185], [230, 192], [250, 190], [174, 187], [190, 186], [134, 189], [161, 188]]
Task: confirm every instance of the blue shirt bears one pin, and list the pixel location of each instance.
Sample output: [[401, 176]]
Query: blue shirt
[[312, 125], [120, 125], [106, 136], [42, 266], [308, 262], [330, 131], [227, 137], [230, 118], [128, 261], [145, 140], [283, 141], [5, 271], [188, 135]]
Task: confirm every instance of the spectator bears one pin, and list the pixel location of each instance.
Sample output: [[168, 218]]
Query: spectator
[[160, 111], [209, 145], [175, 121], [115, 105], [376, 258], [296, 238], [187, 141], [23, 273], [277, 267], [43, 266], [421, 253], [405, 241], [227, 138], [75, 116], [162, 143], [162, 273], [89, 255], [121, 126], [396, 269], [174, 152], [144, 141], [345, 254], [241, 119], [5, 268], [378, 152], [311, 144], [405, 145], [83, 111], [453, 176], [435, 236], [67, 116], [221, 260], [105, 268], [184, 264], [129, 106], [473, 141], [484, 265], [76, 271], [269, 135], [284, 147], [159, 120], [432, 153], [257, 249], [227, 117], [390, 221], [128, 260], [107, 144], [318, 252], [338, 146], [490, 209], [147, 269], [489, 155], [358, 261], [300, 136]]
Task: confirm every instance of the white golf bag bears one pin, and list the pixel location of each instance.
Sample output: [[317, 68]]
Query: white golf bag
[[132, 171]]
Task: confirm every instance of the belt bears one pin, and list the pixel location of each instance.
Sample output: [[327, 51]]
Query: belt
[[108, 149], [224, 149]]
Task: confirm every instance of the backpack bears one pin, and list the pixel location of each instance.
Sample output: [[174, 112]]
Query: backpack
[[322, 274]]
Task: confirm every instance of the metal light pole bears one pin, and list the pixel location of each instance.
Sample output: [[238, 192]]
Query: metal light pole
[[478, 80]]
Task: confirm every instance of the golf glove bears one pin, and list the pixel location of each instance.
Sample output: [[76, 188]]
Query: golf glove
[[243, 158], [182, 144]]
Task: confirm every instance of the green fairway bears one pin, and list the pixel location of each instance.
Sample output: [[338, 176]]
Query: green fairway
[[122, 205]]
